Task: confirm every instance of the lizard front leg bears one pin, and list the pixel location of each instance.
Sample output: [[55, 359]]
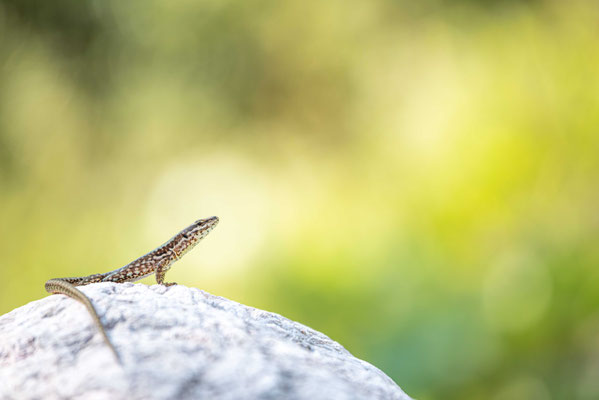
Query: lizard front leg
[[161, 272]]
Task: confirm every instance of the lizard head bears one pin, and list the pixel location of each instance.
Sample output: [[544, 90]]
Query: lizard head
[[190, 236]]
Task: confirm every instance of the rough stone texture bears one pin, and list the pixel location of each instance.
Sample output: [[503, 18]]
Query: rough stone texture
[[175, 343]]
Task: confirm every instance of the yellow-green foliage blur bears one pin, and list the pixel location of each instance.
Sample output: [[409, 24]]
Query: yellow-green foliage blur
[[417, 180]]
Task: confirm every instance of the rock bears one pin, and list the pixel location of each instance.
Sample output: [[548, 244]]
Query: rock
[[175, 343]]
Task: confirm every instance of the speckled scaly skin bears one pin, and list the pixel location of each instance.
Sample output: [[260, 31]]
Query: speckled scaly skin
[[157, 261]]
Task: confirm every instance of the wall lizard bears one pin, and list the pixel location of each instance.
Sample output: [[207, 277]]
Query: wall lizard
[[157, 262]]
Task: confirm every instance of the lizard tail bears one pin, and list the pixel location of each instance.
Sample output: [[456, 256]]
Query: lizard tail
[[63, 286]]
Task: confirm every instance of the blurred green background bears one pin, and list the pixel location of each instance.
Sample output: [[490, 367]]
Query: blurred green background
[[417, 180]]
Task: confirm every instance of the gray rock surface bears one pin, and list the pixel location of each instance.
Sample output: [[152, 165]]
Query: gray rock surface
[[175, 343]]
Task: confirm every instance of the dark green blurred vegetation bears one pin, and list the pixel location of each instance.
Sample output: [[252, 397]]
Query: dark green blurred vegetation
[[418, 180]]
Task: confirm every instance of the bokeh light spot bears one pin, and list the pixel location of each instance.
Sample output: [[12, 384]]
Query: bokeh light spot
[[218, 185], [516, 293]]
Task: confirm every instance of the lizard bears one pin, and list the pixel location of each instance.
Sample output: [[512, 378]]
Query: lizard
[[157, 261]]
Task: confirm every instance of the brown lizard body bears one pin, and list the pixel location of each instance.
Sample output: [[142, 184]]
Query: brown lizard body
[[157, 262]]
